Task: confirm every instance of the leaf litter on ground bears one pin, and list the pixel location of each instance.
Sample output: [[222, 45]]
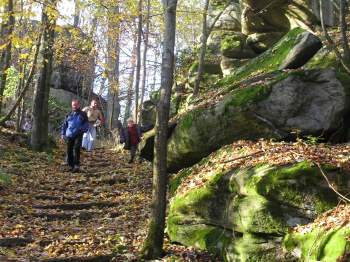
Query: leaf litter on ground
[[103, 210]]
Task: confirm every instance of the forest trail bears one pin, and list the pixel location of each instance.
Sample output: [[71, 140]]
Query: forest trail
[[99, 214]]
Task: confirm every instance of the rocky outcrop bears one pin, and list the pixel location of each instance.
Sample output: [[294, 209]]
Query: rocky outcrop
[[249, 27], [271, 106], [292, 51], [244, 214], [308, 45], [74, 63], [312, 102]]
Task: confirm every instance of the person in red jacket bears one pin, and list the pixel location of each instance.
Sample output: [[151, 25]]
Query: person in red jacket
[[131, 136]]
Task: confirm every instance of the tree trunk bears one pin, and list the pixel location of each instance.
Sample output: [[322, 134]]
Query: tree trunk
[[343, 10], [113, 106], [144, 56], [203, 50], [19, 88], [153, 245], [39, 137], [138, 65], [5, 59], [127, 112], [76, 13], [330, 42], [205, 34]]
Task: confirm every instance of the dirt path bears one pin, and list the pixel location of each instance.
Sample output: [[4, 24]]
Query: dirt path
[[51, 213], [99, 214]]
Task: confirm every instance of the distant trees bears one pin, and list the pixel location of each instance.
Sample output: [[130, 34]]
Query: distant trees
[[6, 31]]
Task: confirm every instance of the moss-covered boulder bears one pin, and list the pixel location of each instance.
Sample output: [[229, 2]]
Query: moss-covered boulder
[[228, 65], [312, 102], [243, 214], [235, 46], [264, 21], [320, 244], [273, 58]]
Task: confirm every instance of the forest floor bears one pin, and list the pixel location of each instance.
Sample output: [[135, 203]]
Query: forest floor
[[99, 214]]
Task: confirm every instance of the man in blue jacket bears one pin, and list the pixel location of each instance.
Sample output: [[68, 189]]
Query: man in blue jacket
[[74, 126]]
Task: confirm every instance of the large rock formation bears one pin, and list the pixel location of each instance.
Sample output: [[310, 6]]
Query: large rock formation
[[249, 27], [273, 104], [74, 64], [312, 102], [243, 214]]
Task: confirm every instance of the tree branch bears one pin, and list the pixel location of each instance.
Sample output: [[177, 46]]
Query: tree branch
[[27, 84], [330, 185]]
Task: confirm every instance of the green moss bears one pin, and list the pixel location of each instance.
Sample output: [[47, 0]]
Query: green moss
[[205, 237], [267, 62], [230, 42], [5, 179], [176, 181], [319, 244], [247, 96], [323, 59], [187, 119], [257, 203], [250, 248], [280, 185]]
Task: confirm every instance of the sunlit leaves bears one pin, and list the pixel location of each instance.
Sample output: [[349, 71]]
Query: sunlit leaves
[[11, 83]]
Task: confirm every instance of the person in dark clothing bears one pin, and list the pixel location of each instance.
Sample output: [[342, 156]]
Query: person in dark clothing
[[131, 136], [74, 126]]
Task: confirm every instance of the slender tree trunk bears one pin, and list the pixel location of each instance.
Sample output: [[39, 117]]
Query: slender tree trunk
[[138, 65], [144, 56], [25, 84], [203, 50], [205, 34], [77, 9], [153, 245], [5, 59], [127, 112], [113, 107], [95, 58], [343, 10], [39, 137], [330, 42], [18, 92]]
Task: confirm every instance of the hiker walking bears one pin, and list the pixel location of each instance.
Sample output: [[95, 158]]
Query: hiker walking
[[73, 128], [95, 119], [131, 136]]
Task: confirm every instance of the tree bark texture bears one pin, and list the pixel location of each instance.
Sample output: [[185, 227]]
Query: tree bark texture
[[5, 59], [153, 246], [77, 9], [39, 136], [203, 49], [128, 104], [138, 64], [330, 42], [343, 11], [113, 107], [144, 57]]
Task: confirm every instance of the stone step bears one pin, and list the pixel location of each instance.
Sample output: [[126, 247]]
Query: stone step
[[77, 206]]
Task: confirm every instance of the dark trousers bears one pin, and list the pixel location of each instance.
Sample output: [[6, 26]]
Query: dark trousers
[[73, 150], [133, 149]]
